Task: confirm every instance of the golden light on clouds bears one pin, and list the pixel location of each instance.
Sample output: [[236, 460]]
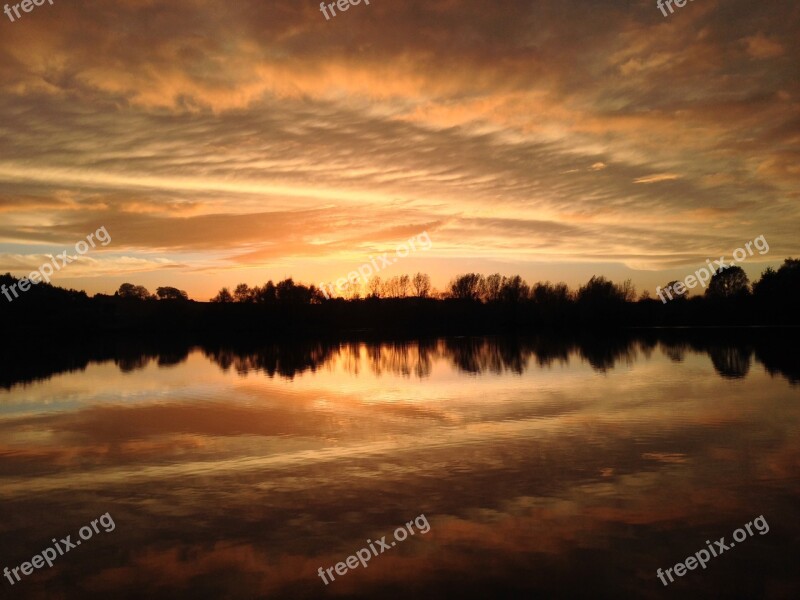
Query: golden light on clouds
[[213, 140]]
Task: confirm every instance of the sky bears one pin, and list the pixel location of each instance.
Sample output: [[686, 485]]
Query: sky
[[221, 143]]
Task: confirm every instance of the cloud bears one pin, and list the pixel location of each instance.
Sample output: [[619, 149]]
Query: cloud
[[760, 46], [268, 135], [657, 178]]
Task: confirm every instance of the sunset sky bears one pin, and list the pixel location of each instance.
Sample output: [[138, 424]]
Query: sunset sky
[[227, 142]]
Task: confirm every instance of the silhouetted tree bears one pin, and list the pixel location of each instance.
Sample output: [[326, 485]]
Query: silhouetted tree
[[627, 291], [492, 287], [128, 290], [548, 294], [783, 284], [421, 285], [767, 286], [354, 290], [467, 287], [290, 293], [171, 293], [243, 293], [389, 288], [266, 294], [494, 304], [396, 287], [728, 283], [223, 297], [514, 290], [374, 287], [315, 295], [599, 290], [285, 291], [668, 292], [403, 285]]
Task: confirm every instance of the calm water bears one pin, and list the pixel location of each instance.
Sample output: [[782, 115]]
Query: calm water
[[544, 468]]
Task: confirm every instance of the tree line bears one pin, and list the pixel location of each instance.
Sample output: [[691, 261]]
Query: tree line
[[408, 305], [728, 283]]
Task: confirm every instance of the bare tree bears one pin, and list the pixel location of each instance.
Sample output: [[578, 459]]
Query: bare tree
[[494, 283], [403, 284], [422, 285], [392, 288], [374, 287], [627, 291], [354, 289]]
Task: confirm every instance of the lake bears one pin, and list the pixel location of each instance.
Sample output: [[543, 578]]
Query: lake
[[554, 467]]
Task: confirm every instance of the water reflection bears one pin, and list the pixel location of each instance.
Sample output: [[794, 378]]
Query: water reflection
[[547, 467], [731, 353]]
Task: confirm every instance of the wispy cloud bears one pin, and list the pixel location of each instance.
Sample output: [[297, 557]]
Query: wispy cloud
[[265, 137], [657, 178]]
